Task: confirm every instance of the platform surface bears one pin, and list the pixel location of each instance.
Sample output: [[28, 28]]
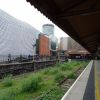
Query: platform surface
[[84, 87]]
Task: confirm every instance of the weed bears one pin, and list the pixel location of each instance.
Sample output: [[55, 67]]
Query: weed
[[58, 77], [30, 85], [71, 75], [7, 81], [54, 71], [8, 95], [46, 71], [63, 68]]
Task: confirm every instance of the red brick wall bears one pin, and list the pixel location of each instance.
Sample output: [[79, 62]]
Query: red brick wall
[[44, 45]]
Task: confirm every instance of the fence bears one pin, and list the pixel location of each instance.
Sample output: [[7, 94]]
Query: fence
[[15, 58], [19, 68]]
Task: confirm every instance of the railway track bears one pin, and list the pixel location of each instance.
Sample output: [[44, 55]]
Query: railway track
[[67, 82]]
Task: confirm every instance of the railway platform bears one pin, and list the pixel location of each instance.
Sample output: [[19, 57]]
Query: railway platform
[[87, 85]]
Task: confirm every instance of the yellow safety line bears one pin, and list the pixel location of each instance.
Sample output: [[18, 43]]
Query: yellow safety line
[[97, 92]]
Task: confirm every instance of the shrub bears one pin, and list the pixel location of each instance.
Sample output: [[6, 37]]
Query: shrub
[[8, 97], [54, 71], [59, 77], [63, 68], [7, 94], [7, 81], [46, 71], [71, 75], [69, 67], [58, 64], [31, 84]]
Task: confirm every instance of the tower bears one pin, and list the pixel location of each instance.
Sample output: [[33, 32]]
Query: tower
[[48, 29]]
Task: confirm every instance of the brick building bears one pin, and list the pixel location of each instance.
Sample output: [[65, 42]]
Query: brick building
[[43, 45]]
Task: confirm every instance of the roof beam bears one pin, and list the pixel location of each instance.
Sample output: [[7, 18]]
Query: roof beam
[[90, 35], [94, 5], [79, 12], [73, 5]]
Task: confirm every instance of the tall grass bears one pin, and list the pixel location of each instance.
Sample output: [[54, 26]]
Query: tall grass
[[58, 77], [63, 68], [31, 84], [8, 94], [46, 71], [54, 71], [71, 75], [7, 81]]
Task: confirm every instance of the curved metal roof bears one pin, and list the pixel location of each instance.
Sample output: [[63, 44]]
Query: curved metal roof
[[78, 18], [16, 37]]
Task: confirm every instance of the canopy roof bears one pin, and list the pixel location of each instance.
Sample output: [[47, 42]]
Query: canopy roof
[[80, 19]]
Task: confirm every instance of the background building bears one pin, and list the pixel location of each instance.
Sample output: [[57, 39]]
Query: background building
[[73, 45], [76, 51], [16, 37], [44, 45], [53, 42], [48, 29], [72, 49], [63, 44]]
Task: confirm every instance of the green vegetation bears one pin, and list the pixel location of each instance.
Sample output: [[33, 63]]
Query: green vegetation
[[7, 81], [58, 77], [71, 75], [63, 68], [53, 94], [40, 85], [31, 84], [46, 71]]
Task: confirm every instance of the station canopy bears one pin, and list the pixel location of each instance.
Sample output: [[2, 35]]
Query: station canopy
[[80, 19]]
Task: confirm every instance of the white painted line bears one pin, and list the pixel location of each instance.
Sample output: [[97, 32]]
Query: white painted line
[[64, 97]]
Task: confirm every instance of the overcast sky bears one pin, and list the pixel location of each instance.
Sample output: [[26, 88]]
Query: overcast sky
[[22, 10]]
